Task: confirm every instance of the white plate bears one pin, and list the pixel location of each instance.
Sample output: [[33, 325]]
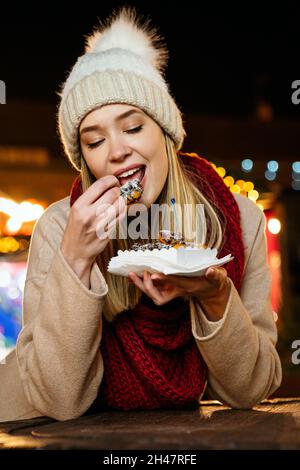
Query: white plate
[[181, 261]]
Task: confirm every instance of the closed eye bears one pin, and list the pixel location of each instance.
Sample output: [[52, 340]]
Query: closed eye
[[95, 144], [129, 131], [134, 130]]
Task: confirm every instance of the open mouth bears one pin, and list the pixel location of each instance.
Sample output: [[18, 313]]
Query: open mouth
[[136, 173]]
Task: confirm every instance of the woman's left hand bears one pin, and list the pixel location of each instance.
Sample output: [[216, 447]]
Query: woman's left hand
[[161, 288]]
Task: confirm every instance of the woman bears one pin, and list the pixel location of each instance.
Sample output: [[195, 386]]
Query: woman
[[91, 340]]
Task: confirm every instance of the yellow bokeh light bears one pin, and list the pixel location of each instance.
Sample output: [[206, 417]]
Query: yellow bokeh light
[[235, 188], [8, 244], [249, 186], [221, 171], [274, 226], [240, 183], [228, 180], [253, 195], [245, 188]]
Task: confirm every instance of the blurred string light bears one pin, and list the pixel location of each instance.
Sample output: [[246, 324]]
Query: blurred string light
[[12, 245], [246, 188], [272, 168], [19, 217], [296, 185], [296, 176], [247, 165], [270, 175], [19, 213]]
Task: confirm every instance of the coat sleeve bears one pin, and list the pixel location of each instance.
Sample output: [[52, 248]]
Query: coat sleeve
[[58, 354], [239, 350]]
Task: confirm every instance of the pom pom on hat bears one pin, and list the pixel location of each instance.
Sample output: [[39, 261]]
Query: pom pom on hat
[[123, 62], [125, 31]]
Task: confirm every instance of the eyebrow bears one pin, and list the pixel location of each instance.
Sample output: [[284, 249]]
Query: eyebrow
[[96, 127]]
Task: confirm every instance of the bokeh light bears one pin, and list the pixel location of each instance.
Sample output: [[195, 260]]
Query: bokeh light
[[247, 165], [274, 226]]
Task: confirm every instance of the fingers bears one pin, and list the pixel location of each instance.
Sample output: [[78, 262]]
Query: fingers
[[113, 210], [136, 280], [96, 190], [149, 284], [109, 212], [112, 196], [107, 222], [216, 276], [113, 224], [163, 288], [181, 282], [146, 285]]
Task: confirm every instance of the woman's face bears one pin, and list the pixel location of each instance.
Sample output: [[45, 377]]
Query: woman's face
[[118, 137]]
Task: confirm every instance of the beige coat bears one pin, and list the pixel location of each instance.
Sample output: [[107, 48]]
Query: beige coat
[[56, 367]]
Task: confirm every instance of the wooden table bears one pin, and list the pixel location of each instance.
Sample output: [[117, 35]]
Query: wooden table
[[274, 424]]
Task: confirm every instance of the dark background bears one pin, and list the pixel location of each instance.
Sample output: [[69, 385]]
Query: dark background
[[222, 60]]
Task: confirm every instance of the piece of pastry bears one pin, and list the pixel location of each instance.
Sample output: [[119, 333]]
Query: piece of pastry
[[173, 239], [131, 191], [166, 240]]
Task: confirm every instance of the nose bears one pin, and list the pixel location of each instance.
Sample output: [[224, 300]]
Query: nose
[[118, 150]]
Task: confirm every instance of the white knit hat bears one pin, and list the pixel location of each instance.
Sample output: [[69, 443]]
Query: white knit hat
[[123, 63]]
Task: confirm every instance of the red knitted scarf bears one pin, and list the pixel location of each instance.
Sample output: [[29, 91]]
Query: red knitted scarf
[[150, 356]]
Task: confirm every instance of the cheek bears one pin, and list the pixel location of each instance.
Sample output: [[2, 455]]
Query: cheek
[[94, 163], [161, 164], [157, 155], [159, 173]]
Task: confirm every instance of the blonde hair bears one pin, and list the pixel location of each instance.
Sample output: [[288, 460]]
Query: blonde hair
[[124, 296]]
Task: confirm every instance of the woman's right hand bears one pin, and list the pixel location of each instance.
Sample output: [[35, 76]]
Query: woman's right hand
[[91, 221]]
